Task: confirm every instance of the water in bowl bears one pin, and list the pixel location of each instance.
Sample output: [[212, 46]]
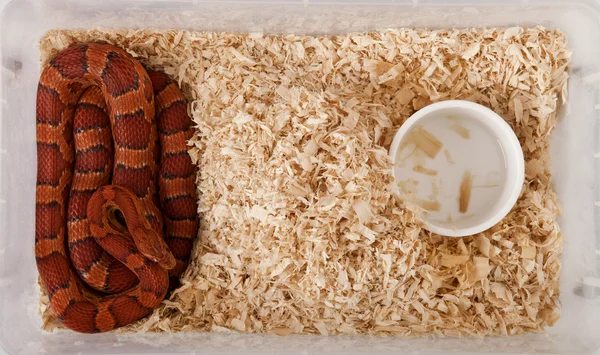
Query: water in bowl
[[452, 167]]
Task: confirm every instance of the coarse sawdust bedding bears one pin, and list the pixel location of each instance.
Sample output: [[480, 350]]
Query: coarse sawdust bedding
[[301, 231]]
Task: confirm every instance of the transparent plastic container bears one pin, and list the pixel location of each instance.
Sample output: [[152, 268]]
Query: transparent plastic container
[[575, 150]]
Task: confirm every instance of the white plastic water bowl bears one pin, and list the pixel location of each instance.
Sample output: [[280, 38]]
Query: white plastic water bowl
[[461, 163]]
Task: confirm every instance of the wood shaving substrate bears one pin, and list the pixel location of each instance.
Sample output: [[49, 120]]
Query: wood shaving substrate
[[300, 229]]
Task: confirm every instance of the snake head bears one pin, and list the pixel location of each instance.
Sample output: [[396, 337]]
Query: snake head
[[154, 247]]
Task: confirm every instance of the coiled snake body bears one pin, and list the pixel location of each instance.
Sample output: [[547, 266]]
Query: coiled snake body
[[106, 253]]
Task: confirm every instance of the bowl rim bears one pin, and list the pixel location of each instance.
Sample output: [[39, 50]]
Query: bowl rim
[[513, 153]]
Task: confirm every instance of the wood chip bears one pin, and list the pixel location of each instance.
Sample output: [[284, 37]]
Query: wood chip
[[423, 170], [453, 260], [426, 142], [460, 130], [428, 205], [528, 252], [448, 157], [464, 195]]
